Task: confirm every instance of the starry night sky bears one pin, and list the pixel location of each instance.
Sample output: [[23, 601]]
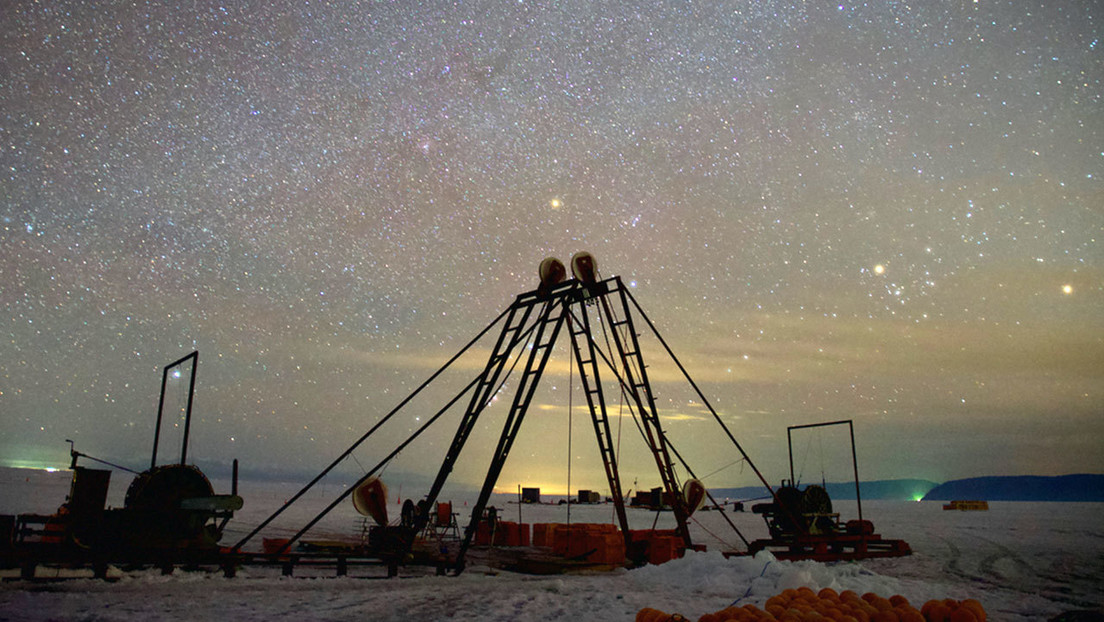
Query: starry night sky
[[890, 213]]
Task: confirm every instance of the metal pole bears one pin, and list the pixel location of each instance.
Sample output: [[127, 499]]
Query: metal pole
[[188, 411], [854, 455], [855, 464], [789, 451], [157, 426], [161, 402]]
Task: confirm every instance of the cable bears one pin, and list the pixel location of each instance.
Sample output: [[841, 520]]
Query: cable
[[820, 442], [379, 424], [184, 414], [617, 452], [570, 409], [748, 592], [75, 454], [715, 536], [804, 461], [703, 478]]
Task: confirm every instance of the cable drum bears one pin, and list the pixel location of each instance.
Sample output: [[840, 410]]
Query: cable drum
[[815, 500], [163, 488], [154, 516], [816, 506]]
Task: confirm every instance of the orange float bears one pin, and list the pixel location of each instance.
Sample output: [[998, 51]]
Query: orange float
[[804, 605]]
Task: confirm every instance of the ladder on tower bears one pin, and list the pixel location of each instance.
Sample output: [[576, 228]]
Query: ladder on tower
[[586, 356], [635, 381], [547, 329], [514, 333]]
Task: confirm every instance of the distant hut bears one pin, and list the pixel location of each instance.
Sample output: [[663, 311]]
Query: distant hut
[[589, 496], [530, 495]]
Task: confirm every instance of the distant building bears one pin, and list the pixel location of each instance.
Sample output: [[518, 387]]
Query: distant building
[[530, 495], [655, 499], [589, 496]]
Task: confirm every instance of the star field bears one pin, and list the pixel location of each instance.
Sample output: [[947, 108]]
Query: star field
[[889, 212]]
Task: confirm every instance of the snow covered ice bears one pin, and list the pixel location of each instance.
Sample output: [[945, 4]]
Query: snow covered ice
[[1023, 561]]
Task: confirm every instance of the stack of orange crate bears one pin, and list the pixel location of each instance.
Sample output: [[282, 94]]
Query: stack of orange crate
[[542, 534], [663, 544], [609, 547], [569, 540], [483, 533], [600, 543], [511, 534]]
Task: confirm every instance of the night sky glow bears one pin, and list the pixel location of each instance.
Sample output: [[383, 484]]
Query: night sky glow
[[881, 211]]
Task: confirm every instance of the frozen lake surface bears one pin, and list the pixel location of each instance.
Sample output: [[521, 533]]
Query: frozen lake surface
[[1023, 561]]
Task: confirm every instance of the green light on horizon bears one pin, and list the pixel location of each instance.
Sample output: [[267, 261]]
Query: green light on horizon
[[30, 464]]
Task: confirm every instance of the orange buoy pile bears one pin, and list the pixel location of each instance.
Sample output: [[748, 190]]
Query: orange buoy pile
[[648, 614], [803, 604]]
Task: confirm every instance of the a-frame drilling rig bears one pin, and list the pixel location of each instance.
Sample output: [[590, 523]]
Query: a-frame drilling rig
[[531, 326]]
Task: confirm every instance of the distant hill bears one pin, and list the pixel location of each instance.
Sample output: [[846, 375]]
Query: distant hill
[[902, 489], [1081, 487]]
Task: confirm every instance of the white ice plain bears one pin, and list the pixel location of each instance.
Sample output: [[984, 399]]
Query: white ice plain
[[1023, 561]]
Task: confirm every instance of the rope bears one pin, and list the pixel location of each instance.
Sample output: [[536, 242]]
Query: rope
[[748, 592], [715, 536], [570, 413], [610, 358], [617, 452], [804, 461], [110, 464], [621, 397], [740, 462], [362, 469], [182, 411], [820, 441]]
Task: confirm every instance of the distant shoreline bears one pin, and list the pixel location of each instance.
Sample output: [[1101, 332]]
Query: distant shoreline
[[1082, 487], [1063, 488]]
